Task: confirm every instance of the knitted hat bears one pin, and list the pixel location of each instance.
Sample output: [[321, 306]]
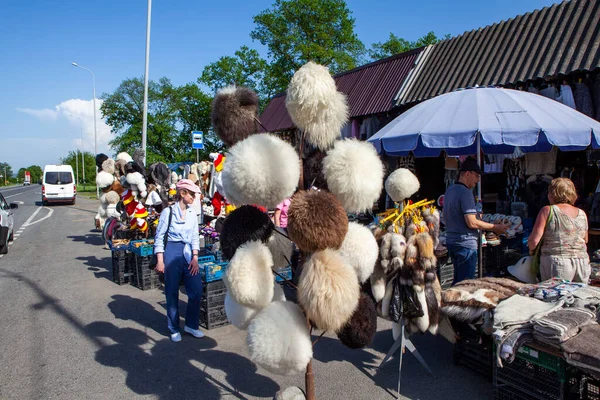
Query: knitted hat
[[219, 162], [129, 202], [140, 211]]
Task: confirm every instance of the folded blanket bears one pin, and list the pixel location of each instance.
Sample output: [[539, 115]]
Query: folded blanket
[[508, 344], [561, 324], [550, 290], [521, 310], [587, 292], [582, 350]]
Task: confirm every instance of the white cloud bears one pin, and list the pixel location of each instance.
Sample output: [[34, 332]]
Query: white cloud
[[80, 114]]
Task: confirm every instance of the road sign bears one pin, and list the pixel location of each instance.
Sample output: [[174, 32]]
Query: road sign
[[197, 140]]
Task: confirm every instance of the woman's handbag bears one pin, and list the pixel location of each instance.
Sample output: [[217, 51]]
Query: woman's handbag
[[537, 252], [154, 259]]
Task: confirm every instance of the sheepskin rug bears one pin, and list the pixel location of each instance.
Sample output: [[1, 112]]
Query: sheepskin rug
[[359, 331], [360, 250], [244, 224], [261, 169], [315, 105], [278, 339], [281, 248], [249, 279], [354, 174], [233, 112], [316, 221], [104, 179], [401, 184], [328, 290], [240, 316]]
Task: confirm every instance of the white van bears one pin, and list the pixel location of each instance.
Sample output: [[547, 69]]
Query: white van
[[58, 184]]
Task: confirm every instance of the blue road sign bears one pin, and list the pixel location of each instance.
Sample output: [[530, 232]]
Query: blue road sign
[[197, 140]]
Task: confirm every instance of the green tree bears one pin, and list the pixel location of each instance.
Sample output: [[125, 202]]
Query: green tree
[[6, 172], [89, 161], [35, 172], [397, 45], [298, 31]]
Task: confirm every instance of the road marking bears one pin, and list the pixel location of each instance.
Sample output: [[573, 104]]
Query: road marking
[[13, 195], [16, 235], [18, 202], [29, 223]]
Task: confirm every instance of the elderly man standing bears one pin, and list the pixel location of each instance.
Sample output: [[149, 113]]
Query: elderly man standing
[[462, 224]]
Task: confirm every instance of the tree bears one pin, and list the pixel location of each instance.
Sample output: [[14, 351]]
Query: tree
[[298, 31], [35, 172], [6, 172], [396, 45], [89, 161]]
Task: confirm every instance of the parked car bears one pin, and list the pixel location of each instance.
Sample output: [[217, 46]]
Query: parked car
[[58, 184], [6, 223]]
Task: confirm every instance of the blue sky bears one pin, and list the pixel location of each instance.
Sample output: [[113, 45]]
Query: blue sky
[[45, 105]]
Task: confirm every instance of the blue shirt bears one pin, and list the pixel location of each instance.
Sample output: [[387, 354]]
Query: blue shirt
[[458, 201], [184, 228]]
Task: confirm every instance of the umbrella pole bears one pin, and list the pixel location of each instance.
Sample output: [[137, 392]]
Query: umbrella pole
[[479, 198]]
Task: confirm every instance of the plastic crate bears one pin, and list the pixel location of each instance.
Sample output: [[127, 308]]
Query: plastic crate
[[445, 272], [212, 271], [581, 385], [122, 261], [213, 317], [145, 249], [213, 295], [532, 375], [476, 354], [143, 277], [285, 272]]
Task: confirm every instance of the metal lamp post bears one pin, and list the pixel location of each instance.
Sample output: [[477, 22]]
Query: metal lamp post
[[94, 105], [145, 112], [81, 149]]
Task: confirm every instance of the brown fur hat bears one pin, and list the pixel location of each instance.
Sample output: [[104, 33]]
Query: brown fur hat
[[328, 290], [360, 329], [120, 168], [316, 221], [233, 112]]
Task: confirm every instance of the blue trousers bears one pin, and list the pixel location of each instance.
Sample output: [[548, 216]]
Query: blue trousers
[[464, 261], [175, 268]]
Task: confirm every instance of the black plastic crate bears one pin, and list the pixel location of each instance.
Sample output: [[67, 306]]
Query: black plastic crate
[[213, 317], [122, 261], [524, 379], [143, 277], [445, 272], [475, 353], [213, 294], [583, 386]]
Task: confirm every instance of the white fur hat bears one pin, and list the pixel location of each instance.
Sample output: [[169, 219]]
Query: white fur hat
[[261, 169], [315, 105], [240, 316], [328, 290], [104, 179], [279, 340], [249, 279], [124, 156], [354, 174], [137, 179], [401, 184], [360, 250]]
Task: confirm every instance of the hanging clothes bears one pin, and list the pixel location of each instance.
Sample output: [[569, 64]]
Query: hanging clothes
[[347, 130], [549, 92], [369, 127], [494, 163], [595, 89], [541, 163], [566, 96], [583, 99]]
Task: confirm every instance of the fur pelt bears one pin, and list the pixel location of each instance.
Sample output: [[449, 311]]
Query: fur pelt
[[396, 330], [239, 315], [315, 105], [421, 322], [104, 179], [174, 178], [359, 331], [377, 280], [244, 224], [112, 197], [109, 166], [328, 290], [432, 219], [281, 249], [411, 264], [278, 339], [137, 183], [427, 260], [233, 112], [354, 174], [392, 252], [401, 184], [261, 169], [125, 157], [100, 158], [248, 278], [360, 250], [433, 299], [120, 168], [316, 221], [384, 306], [313, 170], [117, 187]]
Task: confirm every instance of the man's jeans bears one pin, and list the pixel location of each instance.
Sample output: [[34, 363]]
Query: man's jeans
[[464, 261]]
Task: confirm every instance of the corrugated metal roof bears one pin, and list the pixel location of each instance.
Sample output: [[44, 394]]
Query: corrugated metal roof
[[555, 40], [370, 89]]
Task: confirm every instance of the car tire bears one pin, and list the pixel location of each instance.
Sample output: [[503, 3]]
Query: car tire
[[4, 248], [44, 203], [12, 236], [73, 202]]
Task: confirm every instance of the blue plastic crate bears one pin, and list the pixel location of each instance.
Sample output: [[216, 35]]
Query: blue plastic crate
[[285, 272], [213, 271], [117, 247], [205, 259], [146, 249]]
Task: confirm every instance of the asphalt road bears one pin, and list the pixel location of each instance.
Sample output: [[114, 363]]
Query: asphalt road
[[69, 332]]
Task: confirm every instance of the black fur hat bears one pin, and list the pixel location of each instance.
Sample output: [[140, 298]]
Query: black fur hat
[[233, 112], [100, 158], [313, 170], [244, 224], [360, 329]]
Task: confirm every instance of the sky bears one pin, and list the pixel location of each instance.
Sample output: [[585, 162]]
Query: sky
[[46, 107]]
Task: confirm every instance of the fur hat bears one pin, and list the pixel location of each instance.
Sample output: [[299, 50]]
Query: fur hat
[[261, 169], [104, 179], [243, 225], [249, 278], [137, 179], [401, 184], [124, 156], [315, 105], [233, 112], [313, 170], [360, 250], [239, 315], [316, 221], [159, 174], [112, 197], [281, 249], [359, 331], [290, 393], [100, 158], [328, 290], [354, 174], [109, 166], [174, 178], [120, 168], [278, 339]]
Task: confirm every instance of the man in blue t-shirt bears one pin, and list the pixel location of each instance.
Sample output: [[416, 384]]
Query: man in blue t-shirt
[[462, 225]]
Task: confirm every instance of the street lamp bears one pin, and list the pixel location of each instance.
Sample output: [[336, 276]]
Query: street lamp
[[82, 157], [145, 112], [94, 104]]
